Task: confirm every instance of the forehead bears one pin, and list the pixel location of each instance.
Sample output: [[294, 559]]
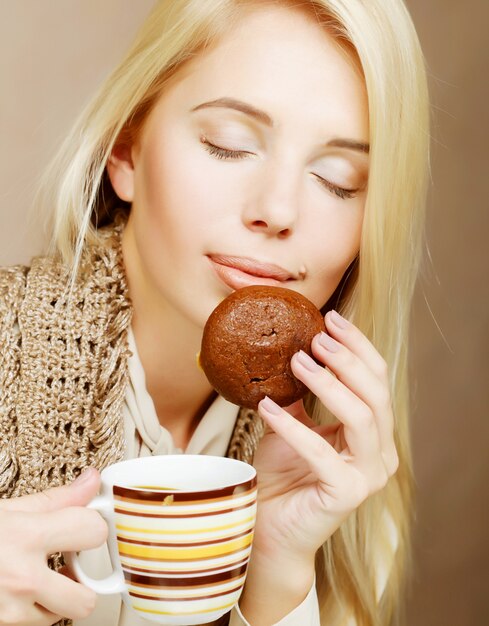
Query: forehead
[[282, 61]]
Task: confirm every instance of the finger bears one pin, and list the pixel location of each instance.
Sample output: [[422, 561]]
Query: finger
[[72, 529], [332, 435], [68, 572], [62, 596], [360, 429], [78, 493], [352, 371], [298, 411], [351, 337], [361, 381], [33, 615], [322, 459], [327, 431], [373, 390]]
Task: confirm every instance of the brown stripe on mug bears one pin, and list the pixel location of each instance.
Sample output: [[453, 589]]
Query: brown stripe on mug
[[128, 568], [188, 582], [185, 515], [168, 500], [187, 497], [186, 598]]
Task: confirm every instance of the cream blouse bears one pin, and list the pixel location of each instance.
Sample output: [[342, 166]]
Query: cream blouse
[[145, 436]]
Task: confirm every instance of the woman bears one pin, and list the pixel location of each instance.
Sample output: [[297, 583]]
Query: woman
[[236, 140]]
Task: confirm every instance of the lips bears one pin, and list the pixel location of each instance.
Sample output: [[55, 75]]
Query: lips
[[237, 272]]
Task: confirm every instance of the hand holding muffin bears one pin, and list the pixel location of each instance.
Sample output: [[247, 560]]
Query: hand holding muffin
[[312, 477]]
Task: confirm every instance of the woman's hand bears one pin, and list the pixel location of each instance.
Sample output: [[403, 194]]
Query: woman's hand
[[33, 527], [310, 478]]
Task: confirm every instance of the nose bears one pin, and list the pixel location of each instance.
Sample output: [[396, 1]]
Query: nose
[[274, 209]]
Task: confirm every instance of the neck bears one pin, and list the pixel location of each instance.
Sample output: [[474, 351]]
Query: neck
[[168, 345]]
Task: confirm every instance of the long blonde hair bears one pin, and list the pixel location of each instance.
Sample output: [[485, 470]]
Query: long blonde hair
[[376, 292]]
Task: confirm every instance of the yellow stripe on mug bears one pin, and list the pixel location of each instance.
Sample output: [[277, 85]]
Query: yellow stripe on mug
[[134, 529], [184, 553]]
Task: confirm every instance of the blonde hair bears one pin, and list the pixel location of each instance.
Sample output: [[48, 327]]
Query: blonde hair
[[376, 292]]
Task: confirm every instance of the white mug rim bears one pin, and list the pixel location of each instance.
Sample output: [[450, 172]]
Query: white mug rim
[[110, 476]]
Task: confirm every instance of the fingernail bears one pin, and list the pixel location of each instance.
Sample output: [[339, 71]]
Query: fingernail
[[338, 320], [83, 477], [328, 342], [270, 406], [306, 361]]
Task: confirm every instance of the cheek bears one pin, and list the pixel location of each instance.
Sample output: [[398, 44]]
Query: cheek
[[334, 245], [181, 183]]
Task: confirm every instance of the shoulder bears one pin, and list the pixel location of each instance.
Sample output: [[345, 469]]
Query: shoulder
[[49, 287], [13, 282], [26, 286]]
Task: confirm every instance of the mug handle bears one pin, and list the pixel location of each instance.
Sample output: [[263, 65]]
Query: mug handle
[[114, 583]]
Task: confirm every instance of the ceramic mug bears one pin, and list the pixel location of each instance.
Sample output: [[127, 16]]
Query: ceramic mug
[[180, 535]]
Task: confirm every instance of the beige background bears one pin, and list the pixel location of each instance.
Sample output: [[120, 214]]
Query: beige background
[[54, 53]]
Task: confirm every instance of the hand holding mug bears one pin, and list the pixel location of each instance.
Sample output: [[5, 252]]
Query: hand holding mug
[[34, 527]]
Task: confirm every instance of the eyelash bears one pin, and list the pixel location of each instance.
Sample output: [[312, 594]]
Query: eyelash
[[222, 153], [341, 192]]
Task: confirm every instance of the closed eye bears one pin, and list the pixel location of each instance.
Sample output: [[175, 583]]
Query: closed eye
[[341, 192], [222, 153]]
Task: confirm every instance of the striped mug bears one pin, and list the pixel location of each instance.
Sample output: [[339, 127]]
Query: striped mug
[[180, 535]]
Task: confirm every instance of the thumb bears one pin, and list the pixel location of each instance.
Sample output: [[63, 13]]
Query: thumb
[[77, 493]]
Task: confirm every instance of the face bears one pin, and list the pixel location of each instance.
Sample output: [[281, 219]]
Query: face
[[250, 169]]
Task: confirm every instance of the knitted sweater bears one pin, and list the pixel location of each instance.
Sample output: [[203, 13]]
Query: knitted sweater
[[63, 370]]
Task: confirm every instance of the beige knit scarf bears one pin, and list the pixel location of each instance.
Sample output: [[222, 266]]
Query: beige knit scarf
[[63, 370]]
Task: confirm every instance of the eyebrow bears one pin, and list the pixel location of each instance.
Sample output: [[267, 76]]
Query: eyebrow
[[264, 118]]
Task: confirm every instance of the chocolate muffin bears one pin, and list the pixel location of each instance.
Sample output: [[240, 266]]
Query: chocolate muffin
[[248, 342]]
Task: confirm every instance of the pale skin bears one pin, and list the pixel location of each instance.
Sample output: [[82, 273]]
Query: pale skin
[[268, 204]]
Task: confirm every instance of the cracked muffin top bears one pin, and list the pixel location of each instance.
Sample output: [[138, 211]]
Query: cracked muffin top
[[248, 342]]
